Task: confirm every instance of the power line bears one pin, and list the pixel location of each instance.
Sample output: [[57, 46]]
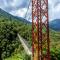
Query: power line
[[27, 9]]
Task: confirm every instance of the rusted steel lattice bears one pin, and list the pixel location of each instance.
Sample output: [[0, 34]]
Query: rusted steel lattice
[[40, 30]]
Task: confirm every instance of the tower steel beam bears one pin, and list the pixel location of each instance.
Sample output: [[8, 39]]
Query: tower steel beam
[[40, 30]]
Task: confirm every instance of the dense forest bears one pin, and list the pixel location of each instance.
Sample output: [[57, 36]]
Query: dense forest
[[10, 45], [9, 41], [8, 36]]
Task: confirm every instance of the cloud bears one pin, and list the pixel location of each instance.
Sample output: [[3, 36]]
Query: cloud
[[20, 12], [10, 5], [19, 8], [54, 9]]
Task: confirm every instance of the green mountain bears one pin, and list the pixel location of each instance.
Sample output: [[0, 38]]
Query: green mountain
[[10, 26], [55, 24]]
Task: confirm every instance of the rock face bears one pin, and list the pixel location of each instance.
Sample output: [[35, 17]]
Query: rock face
[[55, 24]]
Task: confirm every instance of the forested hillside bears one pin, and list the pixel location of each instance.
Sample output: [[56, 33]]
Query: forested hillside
[[10, 46], [9, 40], [8, 35]]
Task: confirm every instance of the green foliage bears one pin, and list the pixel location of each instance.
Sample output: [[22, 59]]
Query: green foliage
[[9, 40], [19, 54], [55, 45], [8, 37]]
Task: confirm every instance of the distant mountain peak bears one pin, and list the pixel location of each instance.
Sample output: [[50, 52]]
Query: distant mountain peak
[[55, 24]]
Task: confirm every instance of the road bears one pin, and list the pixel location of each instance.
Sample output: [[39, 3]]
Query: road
[[25, 45]]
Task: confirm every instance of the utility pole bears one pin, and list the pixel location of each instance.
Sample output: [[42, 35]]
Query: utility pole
[[40, 30]]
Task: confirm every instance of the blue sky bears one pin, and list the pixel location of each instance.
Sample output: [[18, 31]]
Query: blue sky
[[19, 8]]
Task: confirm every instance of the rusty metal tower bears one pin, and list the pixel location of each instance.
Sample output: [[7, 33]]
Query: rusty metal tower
[[40, 30]]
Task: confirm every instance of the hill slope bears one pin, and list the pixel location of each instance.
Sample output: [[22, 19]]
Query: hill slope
[[55, 24], [9, 16], [9, 27]]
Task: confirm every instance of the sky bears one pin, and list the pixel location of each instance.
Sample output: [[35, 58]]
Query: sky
[[19, 8]]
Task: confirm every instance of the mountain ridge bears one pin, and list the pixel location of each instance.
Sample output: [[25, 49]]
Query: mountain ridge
[[55, 24], [7, 15]]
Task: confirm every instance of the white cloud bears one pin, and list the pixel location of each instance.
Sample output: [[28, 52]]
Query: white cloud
[[54, 9], [10, 5], [19, 8], [19, 12]]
